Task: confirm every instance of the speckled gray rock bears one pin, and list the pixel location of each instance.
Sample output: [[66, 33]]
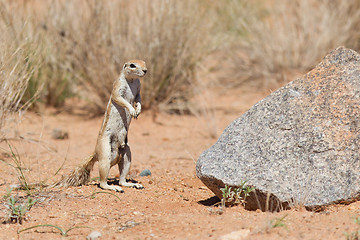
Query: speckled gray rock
[[300, 145]]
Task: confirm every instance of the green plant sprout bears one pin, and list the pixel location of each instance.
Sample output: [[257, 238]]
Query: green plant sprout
[[235, 195], [18, 211], [278, 222], [63, 232], [7, 194]]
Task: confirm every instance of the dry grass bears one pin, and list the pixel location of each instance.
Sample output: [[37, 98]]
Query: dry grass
[[83, 51], [18, 62], [168, 35], [288, 36]]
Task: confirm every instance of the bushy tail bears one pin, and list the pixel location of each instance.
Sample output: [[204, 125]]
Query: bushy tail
[[80, 175]]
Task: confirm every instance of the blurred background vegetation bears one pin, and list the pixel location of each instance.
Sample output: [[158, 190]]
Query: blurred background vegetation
[[54, 50]]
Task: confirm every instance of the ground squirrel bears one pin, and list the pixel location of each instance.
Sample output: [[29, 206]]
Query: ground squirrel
[[112, 147]]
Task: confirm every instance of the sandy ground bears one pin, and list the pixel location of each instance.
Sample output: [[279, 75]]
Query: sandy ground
[[173, 205]]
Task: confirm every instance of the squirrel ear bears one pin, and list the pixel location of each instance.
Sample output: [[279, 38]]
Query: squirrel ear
[[125, 65]]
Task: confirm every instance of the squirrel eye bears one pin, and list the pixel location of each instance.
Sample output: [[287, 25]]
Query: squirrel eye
[[132, 66]]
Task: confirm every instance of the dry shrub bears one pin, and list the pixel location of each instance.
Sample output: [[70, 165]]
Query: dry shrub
[[285, 36], [47, 28], [48, 80], [168, 35], [18, 62], [83, 51]]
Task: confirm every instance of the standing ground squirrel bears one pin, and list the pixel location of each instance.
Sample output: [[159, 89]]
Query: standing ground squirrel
[[112, 147]]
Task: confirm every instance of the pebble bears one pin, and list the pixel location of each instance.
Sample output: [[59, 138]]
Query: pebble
[[59, 134], [145, 172], [93, 235], [136, 213], [236, 235]]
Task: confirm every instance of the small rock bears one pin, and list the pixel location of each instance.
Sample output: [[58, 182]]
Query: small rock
[[136, 213], [128, 224], [15, 186], [236, 235], [59, 134], [216, 211], [179, 189], [93, 235], [145, 172], [185, 198]]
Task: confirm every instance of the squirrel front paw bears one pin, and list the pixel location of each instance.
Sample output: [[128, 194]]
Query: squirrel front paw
[[132, 112], [138, 109]]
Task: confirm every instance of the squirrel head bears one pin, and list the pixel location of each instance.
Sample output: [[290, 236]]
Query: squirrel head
[[134, 69]]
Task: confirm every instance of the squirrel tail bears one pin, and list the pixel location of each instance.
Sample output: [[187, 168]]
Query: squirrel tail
[[80, 175]]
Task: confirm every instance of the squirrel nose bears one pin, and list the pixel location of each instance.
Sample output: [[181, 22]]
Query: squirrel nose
[[145, 70]]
